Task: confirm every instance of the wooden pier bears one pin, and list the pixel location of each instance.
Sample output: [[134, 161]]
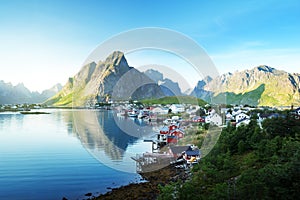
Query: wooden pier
[[148, 162]]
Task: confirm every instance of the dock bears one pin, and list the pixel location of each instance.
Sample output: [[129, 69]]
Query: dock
[[148, 162]]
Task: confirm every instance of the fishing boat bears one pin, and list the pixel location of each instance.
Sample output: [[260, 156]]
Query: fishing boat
[[132, 113]]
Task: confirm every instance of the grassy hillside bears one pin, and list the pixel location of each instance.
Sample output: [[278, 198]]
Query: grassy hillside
[[251, 98], [263, 86], [175, 100]]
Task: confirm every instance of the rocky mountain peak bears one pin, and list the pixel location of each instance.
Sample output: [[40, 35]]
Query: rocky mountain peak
[[20, 85], [265, 68], [168, 86], [207, 79], [155, 75], [112, 77], [262, 85], [201, 84], [56, 88], [10, 94], [116, 58]]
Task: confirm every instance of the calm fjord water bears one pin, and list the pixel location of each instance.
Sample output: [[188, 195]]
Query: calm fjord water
[[65, 154]]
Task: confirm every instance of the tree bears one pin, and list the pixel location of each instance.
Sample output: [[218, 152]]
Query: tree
[[241, 147], [249, 163]]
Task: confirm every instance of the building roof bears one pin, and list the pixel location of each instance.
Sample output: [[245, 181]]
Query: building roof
[[180, 149], [195, 152], [244, 120], [176, 130], [296, 110], [178, 105]]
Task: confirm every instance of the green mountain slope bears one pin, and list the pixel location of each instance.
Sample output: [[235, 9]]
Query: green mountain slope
[[112, 77], [176, 100], [263, 85]]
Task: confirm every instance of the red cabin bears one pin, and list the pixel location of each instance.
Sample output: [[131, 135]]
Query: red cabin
[[177, 132], [164, 130], [198, 119], [172, 139], [172, 127]]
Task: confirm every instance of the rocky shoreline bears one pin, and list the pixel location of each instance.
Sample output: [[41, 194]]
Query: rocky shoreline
[[146, 190]]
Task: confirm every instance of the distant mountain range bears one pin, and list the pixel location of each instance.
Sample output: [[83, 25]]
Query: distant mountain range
[[262, 85], [10, 94], [114, 79]]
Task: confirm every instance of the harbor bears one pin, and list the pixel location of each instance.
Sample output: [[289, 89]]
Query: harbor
[[167, 147]]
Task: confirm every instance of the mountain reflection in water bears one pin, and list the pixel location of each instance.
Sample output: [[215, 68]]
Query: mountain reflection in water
[[105, 135]]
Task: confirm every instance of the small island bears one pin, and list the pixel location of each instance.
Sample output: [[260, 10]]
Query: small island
[[33, 113]]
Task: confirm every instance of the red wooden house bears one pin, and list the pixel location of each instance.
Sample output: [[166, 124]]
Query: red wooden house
[[177, 132]]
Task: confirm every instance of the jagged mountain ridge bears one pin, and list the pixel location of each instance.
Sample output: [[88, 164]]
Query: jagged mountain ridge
[[97, 81], [169, 87], [50, 92], [262, 85], [18, 94]]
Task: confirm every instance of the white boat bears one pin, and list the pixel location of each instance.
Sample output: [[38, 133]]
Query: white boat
[[121, 113], [133, 113], [141, 115]]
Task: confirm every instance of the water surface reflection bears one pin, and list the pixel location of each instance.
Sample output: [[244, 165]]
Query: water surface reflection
[[110, 139]]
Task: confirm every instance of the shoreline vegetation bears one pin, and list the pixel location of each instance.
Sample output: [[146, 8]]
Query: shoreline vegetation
[[146, 190]]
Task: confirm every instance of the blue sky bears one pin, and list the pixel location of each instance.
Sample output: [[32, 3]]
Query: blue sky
[[45, 42]]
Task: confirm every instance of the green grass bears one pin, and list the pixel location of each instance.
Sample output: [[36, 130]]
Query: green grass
[[175, 100], [250, 97], [64, 101]]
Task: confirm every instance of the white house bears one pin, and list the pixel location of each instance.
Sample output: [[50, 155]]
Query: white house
[[241, 117], [192, 110], [159, 110], [37, 107], [229, 116], [244, 121], [177, 108], [297, 111], [211, 111], [215, 119], [236, 111], [14, 107], [224, 110], [194, 107], [247, 108]]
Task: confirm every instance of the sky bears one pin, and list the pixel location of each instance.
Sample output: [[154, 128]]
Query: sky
[[45, 42]]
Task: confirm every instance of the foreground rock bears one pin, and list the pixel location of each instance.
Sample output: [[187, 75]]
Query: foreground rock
[[146, 190]]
